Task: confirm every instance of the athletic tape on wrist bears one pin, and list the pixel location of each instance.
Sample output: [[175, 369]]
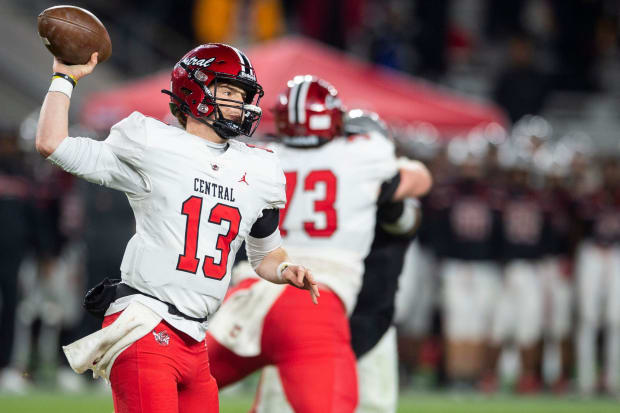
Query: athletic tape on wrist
[[62, 85]]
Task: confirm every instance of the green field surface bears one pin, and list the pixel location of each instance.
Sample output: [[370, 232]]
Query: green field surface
[[414, 403]]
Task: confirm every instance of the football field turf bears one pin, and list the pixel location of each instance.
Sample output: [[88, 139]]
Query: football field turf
[[414, 403]]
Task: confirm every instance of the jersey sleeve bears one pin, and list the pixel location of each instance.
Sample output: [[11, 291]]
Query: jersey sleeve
[[266, 224], [276, 196], [377, 159], [114, 163]]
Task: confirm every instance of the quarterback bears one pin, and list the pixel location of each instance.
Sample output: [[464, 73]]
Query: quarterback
[[196, 195]]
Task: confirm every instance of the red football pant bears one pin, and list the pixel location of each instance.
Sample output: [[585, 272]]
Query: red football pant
[[156, 375], [310, 345]]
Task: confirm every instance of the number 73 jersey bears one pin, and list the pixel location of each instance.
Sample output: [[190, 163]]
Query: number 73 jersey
[[194, 204], [328, 223]]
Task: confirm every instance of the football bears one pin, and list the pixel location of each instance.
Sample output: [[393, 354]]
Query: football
[[72, 34]]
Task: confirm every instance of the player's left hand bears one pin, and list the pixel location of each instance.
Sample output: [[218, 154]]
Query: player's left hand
[[301, 277]]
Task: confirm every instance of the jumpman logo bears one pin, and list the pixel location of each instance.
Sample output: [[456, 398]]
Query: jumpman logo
[[243, 178]]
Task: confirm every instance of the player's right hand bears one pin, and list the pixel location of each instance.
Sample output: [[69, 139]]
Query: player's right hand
[[301, 277], [77, 71]]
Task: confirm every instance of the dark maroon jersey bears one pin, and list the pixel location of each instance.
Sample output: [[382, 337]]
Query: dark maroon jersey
[[465, 220], [599, 213], [526, 229]]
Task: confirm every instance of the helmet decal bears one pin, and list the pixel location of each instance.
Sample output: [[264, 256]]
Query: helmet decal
[[192, 61], [247, 69]]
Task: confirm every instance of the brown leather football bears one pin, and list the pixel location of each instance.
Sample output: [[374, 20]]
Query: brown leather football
[[72, 34]]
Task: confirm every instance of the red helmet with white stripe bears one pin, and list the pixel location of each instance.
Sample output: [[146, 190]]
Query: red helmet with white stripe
[[209, 65], [309, 112]]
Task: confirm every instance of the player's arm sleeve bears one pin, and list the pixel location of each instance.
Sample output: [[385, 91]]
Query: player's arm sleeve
[[276, 195], [264, 237], [114, 163]]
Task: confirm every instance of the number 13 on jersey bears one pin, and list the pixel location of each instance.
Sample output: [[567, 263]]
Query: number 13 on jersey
[[325, 205], [188, 261]]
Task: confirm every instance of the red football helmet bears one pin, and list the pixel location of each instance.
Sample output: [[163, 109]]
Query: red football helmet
[[308, 112], [210, 64]]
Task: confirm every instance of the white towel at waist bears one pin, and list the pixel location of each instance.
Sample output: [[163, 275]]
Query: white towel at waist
[[98, 351], [238, 324]]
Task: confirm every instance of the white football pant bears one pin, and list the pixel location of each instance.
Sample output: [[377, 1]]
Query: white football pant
[[598, 301], [469, 294]]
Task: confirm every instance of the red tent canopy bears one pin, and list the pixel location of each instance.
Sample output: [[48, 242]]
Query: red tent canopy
[[399, 99]]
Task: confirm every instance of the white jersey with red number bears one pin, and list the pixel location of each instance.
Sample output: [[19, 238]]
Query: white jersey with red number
[[193, 206], [329, 220]]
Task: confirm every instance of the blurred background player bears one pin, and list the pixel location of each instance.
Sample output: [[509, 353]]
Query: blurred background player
[[335, 185], [519, 314], [598, 281], [373, 337], [553, 163], [416, 299], [466, 216], [18, 219], [38, 293]]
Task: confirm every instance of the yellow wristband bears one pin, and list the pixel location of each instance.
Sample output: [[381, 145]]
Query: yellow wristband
[[69, 78]]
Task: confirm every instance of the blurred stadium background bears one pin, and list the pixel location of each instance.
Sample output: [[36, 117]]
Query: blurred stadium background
[[506, 101]]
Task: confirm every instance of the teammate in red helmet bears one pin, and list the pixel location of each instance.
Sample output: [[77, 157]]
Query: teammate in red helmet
[[196, 195], [336, 185]]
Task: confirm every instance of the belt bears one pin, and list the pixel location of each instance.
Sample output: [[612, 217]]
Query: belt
[[123, 290]]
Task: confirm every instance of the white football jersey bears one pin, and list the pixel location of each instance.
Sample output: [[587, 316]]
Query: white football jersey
[[329, 220], [193, 208]]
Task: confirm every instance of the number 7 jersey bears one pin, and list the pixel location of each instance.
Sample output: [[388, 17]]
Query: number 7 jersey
[[194, 205], [329, 220]]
